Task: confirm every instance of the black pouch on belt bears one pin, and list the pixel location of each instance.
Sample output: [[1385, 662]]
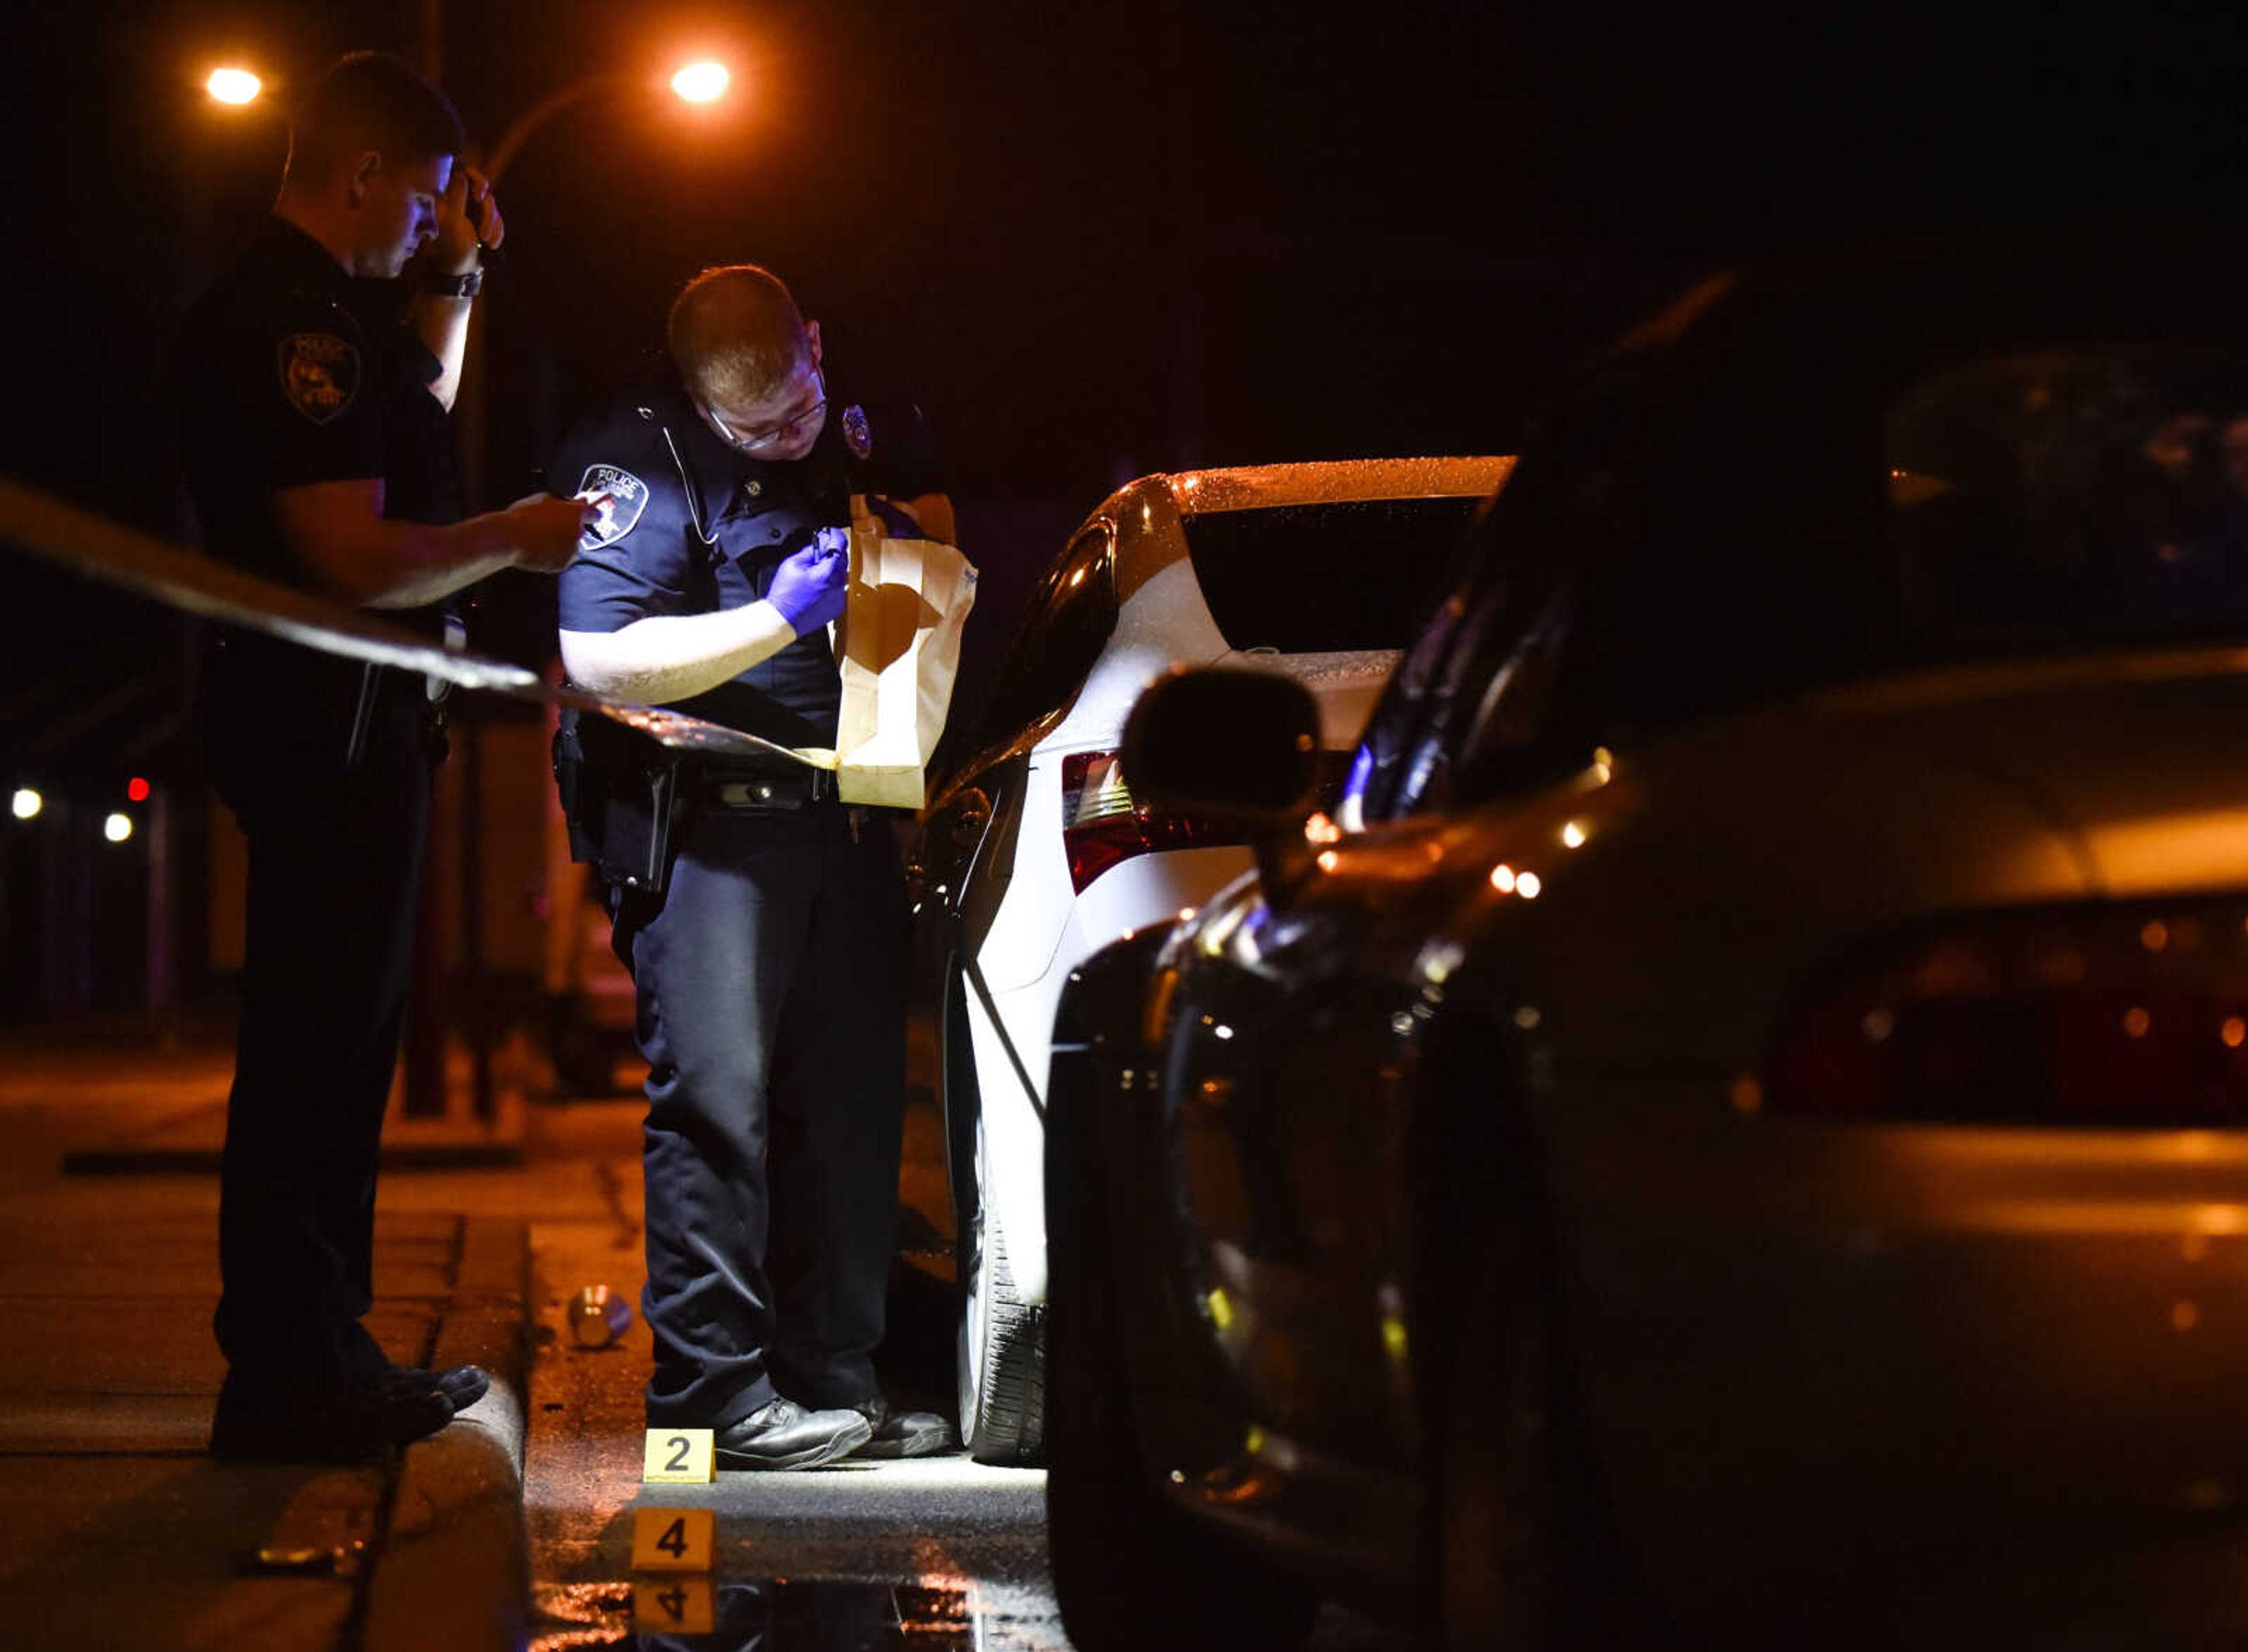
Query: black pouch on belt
[[622, 794]]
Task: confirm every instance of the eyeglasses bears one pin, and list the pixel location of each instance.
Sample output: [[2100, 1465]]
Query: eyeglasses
[[773, 435]]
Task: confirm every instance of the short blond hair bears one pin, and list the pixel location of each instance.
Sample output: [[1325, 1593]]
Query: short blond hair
[[736, 334]]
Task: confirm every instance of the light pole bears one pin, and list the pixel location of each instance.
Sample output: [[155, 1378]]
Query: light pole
[[704, 81], [696, 83]]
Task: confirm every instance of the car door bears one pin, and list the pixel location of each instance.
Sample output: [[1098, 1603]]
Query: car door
[[984, 910], [1279, 1139]]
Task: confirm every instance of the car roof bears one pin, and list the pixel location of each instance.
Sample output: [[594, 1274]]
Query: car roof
[[1987, 287], [1148, 515], [1267, 486]]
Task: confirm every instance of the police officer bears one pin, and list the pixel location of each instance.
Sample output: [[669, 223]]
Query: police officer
[[766, 939], [313, 396]]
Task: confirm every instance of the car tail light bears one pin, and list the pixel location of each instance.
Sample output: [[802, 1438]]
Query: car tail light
[[2134, 1016], [1103, 825]]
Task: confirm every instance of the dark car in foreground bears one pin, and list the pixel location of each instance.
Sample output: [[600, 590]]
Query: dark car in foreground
[[1736, 1129]]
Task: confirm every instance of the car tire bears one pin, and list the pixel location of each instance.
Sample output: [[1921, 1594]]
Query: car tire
[[1002, 1357], [1130, 1571]]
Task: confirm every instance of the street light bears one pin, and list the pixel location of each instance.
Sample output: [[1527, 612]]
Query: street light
[[700, 82], [233, 85], [703, 82], [27, 802]]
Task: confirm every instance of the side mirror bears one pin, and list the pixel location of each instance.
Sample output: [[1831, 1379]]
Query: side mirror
[[1231, 745]]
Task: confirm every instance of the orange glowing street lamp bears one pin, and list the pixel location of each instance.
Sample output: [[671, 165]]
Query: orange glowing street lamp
[[703, 81], [233, 85]]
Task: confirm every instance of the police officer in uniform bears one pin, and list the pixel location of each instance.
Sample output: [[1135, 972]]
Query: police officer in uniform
[[313, 396], [763, 921]]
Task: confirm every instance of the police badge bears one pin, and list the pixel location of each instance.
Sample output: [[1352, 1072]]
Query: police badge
[[855, 434], [319, 374], [627, 496]]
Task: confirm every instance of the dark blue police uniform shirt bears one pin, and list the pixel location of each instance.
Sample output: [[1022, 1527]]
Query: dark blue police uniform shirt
[[292, 373], [696, 526]]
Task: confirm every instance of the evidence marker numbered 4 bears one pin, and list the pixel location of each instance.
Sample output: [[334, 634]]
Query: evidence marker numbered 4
[[674, 1606], [680, 1456], [674, 1539]]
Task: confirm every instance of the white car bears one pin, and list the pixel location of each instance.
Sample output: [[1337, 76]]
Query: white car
[[1032, 854]]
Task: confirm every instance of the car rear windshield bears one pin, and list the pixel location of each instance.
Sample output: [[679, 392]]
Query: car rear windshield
[[1326, 577]]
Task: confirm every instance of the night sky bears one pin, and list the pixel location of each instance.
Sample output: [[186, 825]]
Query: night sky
[[1092, 240]]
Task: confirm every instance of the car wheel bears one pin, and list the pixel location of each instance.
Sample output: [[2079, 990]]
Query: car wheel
[[1129, 1571], [1002, 1347]]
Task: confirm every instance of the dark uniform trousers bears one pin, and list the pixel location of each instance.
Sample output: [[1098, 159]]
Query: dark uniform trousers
[[770, 979], [293, 374], [335, 856]]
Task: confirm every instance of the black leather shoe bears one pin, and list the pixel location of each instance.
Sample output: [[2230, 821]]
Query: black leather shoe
[[783, 1435], [461, 1385], [323, 1423], [901, 1434], [365, 1361]]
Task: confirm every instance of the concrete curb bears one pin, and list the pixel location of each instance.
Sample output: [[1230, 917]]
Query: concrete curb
[[453, 1573]]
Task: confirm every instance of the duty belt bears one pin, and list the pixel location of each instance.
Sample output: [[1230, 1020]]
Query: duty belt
[[794, 789]]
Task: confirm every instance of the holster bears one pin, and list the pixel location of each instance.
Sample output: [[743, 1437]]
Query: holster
[[621, 796]]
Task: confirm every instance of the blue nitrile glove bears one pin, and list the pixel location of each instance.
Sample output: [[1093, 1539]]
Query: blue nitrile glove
[[807, 589]]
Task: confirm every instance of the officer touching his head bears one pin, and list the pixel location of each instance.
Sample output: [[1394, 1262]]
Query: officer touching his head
[[762, 920], [313, 396]]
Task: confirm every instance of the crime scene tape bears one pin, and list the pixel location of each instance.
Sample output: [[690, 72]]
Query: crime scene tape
[[38, 525]]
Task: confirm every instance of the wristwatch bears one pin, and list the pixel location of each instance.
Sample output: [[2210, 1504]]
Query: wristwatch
[[454, 286]]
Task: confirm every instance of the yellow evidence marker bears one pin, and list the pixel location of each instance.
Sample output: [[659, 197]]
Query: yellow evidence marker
[[679, 1457], [674, 1539], [675, 1606]]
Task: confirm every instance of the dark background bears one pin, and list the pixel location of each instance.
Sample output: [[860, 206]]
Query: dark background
[[1093, 240]]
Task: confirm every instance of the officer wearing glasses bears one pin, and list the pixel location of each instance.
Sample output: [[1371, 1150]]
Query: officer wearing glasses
[[762, 920]]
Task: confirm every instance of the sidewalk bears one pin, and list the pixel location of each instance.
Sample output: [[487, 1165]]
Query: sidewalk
[[117, 1529]]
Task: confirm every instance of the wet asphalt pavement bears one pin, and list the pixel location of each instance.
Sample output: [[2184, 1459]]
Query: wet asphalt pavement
[[936, 1553], [942, 1549]]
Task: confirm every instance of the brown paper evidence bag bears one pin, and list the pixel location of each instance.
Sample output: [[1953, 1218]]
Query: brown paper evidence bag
[[897, 648]]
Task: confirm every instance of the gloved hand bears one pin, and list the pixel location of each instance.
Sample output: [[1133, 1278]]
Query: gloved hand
[[807, 589]]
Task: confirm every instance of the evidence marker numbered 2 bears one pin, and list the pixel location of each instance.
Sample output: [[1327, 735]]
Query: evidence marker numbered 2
[[679, 1457]]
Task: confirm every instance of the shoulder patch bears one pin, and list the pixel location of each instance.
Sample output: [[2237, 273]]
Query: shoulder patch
[[627, 499], [319, 374], [856, 436]]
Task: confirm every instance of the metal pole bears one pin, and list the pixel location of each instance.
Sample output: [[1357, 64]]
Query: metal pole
[[162, 995], [471, 405], [474, 994], [430, 40], [425, 1013]]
